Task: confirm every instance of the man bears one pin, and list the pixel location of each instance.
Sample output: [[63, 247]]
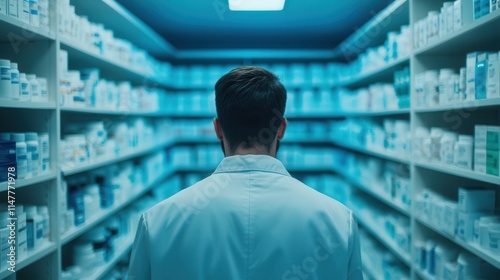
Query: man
[[250, 219]]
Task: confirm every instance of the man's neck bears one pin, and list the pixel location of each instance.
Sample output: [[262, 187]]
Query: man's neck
[[240, 151]]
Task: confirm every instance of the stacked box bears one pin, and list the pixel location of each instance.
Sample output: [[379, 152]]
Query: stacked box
[[493, 150], [472, 205]]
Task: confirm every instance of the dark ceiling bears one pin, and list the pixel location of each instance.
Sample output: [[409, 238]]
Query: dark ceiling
[[209, 24]]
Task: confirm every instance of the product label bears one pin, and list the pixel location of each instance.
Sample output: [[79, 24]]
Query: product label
[[3, 7], [26, 6], [45, 147], [492, 164], [471, 76], [14, 78], [32, 149], [24, 89], [21, 158], [481, 69], [493, 80], [30, 233], [5, 73], [13, 8], [457, 15], [39, 230]]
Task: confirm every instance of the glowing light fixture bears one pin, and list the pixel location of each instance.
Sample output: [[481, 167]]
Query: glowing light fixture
[[256, 5]]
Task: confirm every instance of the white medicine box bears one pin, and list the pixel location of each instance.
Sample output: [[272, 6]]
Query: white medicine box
[[465, 227], [493, 78], [480, 133], [493, 138], [476, 200]]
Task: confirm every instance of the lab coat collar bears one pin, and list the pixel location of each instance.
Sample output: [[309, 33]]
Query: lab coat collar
[[244, 163]]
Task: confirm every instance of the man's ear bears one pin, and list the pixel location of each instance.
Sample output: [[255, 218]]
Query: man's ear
[[218, 129], [281, 129]]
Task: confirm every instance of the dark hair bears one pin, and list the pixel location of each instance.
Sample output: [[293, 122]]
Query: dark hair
[[250, 105]]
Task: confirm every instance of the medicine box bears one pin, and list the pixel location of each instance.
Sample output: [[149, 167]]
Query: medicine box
[[465, 224], [493, 80], [481, 75], [477, 9], [493, 5], [485, 7], [492, 165], [463, 13], [493, 138], [480, 161], [471, 75], [476, 200], [480, 133], [449, 224]]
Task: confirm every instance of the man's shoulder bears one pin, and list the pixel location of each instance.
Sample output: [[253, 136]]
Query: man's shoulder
[[183, 198], [317, 199]]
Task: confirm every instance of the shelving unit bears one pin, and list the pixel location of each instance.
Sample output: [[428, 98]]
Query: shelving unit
[[125, 25], [80, 57], [375, 75], [67, 110], [27, 105], [476, 36], [97, 218], [423, 275], [370, 190], [32, 257], [38, 53], [486, 103], [43, 177], [384, 239], [122, 251], [461, 172], [101, 162], [372, 113], [473, 248], [464, 39], [388, 155], [13, 28]]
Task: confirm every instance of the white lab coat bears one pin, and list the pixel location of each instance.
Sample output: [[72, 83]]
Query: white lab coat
[[249, 220]]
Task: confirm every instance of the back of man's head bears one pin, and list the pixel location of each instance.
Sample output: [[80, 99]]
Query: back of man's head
[[250, 105]]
